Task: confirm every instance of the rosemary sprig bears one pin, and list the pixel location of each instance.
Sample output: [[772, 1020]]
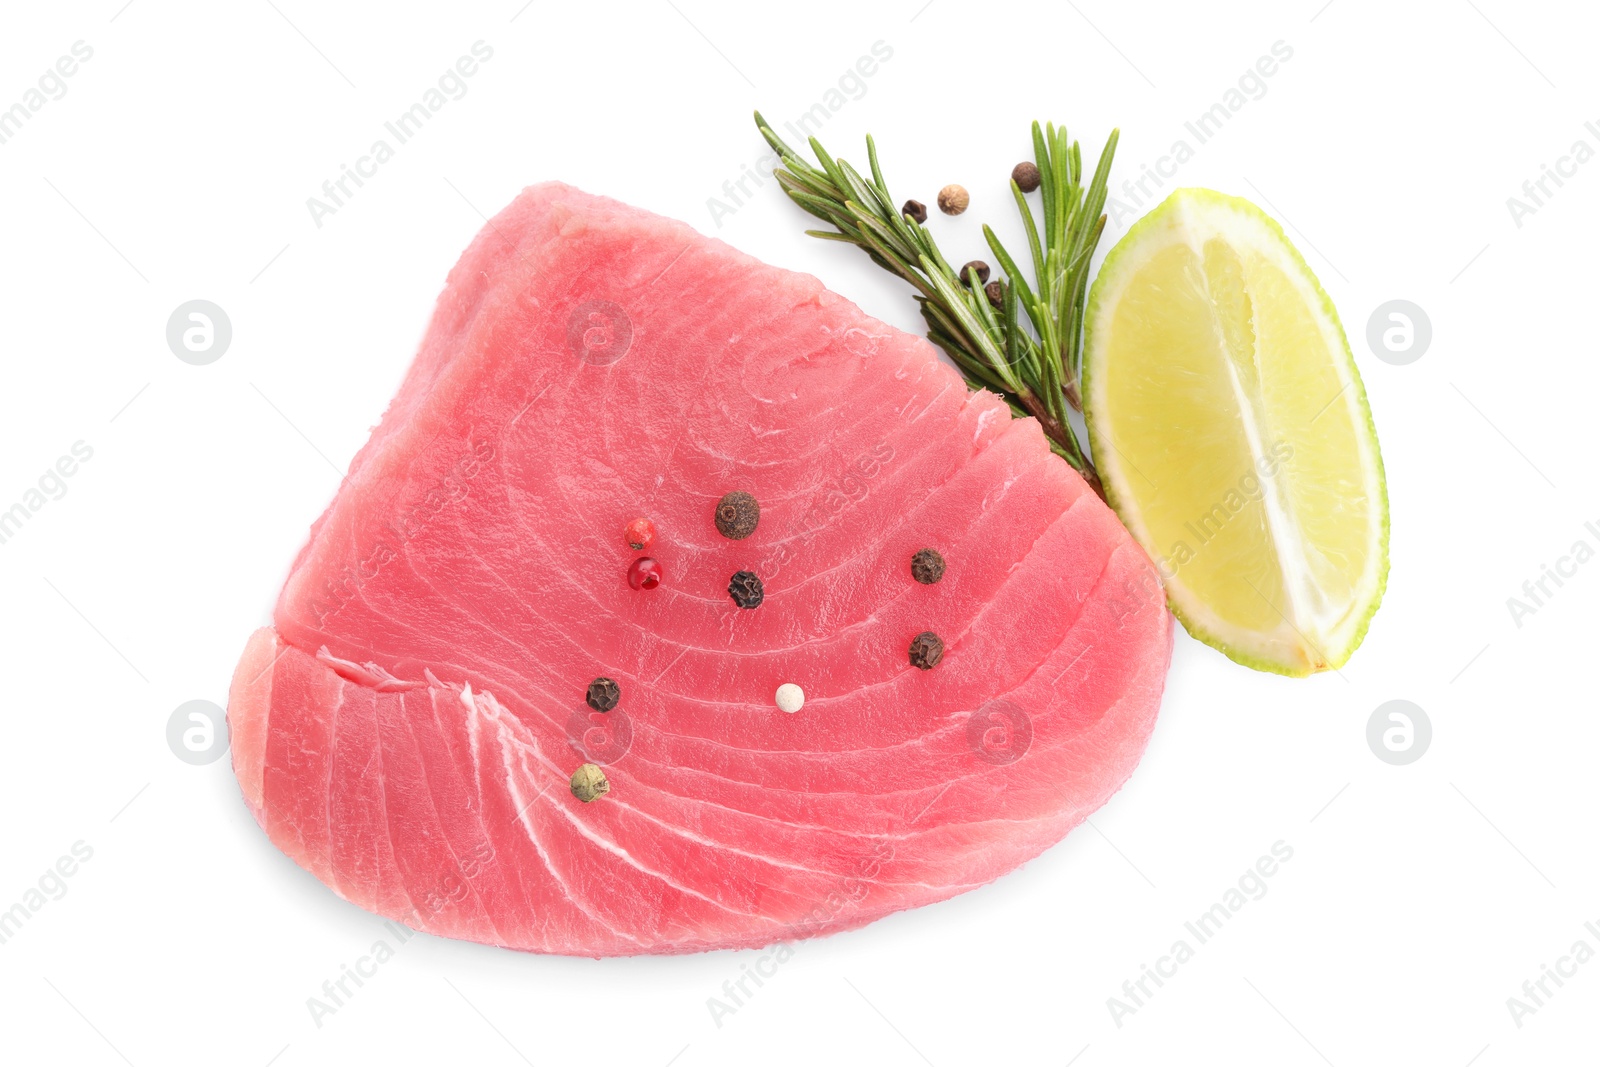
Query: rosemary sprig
[[1034, 366]]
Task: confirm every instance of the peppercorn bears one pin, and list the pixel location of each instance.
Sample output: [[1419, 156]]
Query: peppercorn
[[603, 694], [927, 649], [916, 209], [641, 533], [996, 297], [644, 573], [1026, 175], [746, 589], [737, 515], [978, 265], [953, 200], [589, 782], [927, 566]]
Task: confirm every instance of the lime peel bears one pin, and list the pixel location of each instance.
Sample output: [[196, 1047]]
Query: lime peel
[[1233, 435]]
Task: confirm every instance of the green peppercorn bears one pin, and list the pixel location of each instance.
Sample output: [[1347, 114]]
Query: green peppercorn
[[589, 783]]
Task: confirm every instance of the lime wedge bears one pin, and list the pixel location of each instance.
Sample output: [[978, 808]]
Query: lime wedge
[[1233, 436]]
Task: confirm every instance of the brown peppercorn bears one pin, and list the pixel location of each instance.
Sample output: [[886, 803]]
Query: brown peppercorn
[[916, 209], [927, 566], [978, 265], [746, 589], [927, 649], [953, 200], [996, 297], [603, 694], [737, 515], [1026, 175], [589, 783]]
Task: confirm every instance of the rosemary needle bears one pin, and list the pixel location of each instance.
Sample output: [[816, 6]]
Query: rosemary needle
[[1034, 366]]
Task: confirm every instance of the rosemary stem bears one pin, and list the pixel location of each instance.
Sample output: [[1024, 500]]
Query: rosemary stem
[[1033, 358]]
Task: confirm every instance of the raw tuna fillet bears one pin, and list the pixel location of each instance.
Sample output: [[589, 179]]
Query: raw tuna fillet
[[408, 727]]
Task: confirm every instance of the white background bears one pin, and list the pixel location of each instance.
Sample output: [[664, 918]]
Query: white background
[[177, 166]]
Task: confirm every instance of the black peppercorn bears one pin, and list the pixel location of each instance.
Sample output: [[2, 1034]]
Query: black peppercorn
[[916, 209], [996, 297], [927, 649], [603, 694], [1026, 175], [978, 265], [746, 590], [927, 566], [737, 515], [975, 264]]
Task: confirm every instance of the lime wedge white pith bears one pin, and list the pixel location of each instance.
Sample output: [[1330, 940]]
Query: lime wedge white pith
[[1233, 436]]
